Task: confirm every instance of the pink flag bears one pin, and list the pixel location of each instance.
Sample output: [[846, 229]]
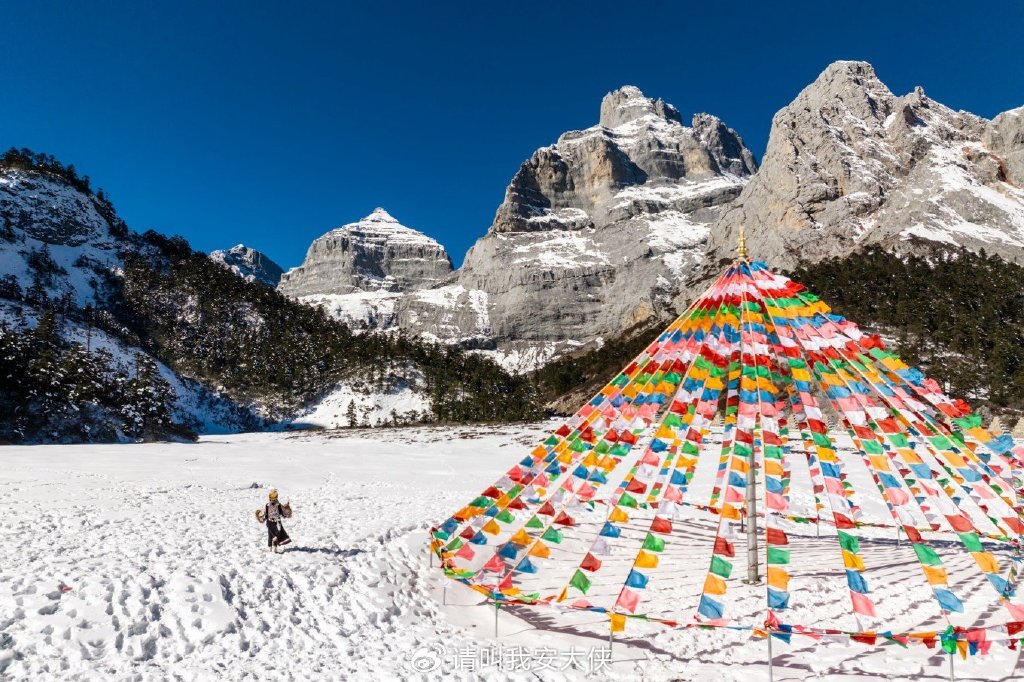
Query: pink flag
[[628, 600], [861, 604], [495, 564]]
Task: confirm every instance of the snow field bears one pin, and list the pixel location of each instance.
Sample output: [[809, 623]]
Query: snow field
[[170, 579]]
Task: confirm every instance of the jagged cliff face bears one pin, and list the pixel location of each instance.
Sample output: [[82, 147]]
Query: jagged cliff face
[[596, 232], [849, 164], [249, 264]]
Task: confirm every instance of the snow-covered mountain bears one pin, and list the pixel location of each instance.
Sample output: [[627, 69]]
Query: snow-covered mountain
[[108, 334], [359, 271], [625, 221], [596, 232], [249, 264], [850, 164]]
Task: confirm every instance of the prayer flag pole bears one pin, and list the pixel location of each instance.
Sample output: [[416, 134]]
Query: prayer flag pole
[[753, 573]]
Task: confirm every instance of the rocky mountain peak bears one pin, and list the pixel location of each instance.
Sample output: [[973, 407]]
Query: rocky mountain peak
[[379, 215], [849, 164], [376, 253], [592, 177], [628, 104], [249, 264]]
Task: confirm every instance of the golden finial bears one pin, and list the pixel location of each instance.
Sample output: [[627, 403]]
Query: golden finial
[[741, 247]]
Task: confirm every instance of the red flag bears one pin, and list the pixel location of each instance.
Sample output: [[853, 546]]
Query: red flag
[[590, 563]]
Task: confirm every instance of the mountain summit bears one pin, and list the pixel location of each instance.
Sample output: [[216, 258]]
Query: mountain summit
[[376, 253], [595, 233], [850, 164], [249, 264]]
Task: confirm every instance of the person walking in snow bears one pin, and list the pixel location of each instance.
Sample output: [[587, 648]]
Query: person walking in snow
[[272, 514]]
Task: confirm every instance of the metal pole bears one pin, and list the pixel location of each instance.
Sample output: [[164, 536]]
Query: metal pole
[[611, 640], [444, 595], [898, 538], [771, 659], [753, 576], [951, 677], [496, 607]]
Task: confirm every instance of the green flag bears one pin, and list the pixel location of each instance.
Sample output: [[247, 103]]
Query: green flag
[[849, 542], [720, 566], [654, 543], [552, 535], [580, 581], [926, 555], [971, 542]]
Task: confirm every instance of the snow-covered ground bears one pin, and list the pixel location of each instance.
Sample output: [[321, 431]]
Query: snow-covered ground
[[144, 562]]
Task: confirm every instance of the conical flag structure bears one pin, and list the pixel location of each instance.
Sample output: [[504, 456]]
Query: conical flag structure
[[752, 371]]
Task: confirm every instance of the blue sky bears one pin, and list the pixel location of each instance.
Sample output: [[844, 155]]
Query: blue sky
[[270, 123]]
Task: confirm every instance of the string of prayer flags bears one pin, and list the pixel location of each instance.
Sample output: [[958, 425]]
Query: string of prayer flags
[[743, 380]]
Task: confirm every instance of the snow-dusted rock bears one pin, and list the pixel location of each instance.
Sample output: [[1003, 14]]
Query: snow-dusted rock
[[55, 237], [849, 164], [249, 264], [375, 254], [595, 233]]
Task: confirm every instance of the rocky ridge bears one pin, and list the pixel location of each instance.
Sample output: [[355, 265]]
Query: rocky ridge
[[620, 224], [596, 231], [249, 264], [849, 164]]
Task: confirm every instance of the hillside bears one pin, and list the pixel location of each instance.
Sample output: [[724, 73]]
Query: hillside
[[114, 319]]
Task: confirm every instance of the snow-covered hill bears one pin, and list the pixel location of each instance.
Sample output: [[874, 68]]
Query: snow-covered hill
[[55, 240]]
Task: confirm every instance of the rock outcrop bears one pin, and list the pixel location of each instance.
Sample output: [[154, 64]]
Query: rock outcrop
[[249, 264], [375, 254], [57, 241], [595, 233], [849, 164]]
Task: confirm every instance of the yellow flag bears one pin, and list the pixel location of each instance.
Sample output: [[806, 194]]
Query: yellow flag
[[520, 538], [986, 562], [936, 575], [491, 527], [714, 585], [618, 516], [618, 622], [541, 550], [730, 512], [851, 560], [646, 560], [778, 578]]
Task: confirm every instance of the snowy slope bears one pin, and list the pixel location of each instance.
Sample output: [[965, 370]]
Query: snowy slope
[[46, 219], [167, 578], [196, 406]]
